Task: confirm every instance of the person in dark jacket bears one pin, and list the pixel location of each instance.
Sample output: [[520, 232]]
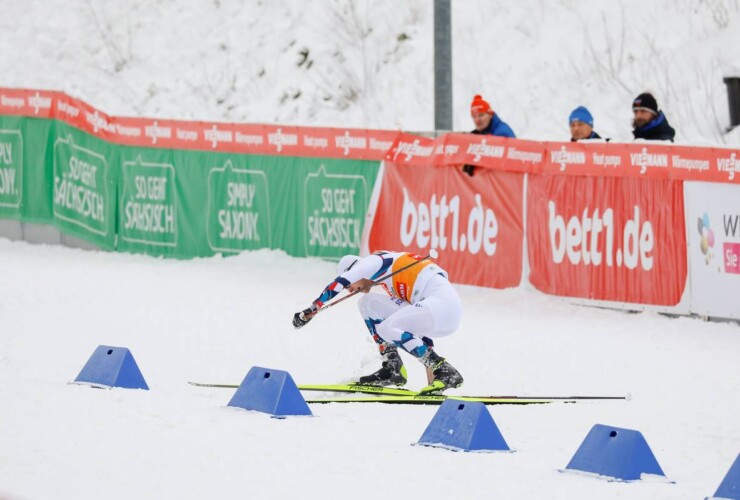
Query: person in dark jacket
[[581, 125], [649, 122], [486, 121]]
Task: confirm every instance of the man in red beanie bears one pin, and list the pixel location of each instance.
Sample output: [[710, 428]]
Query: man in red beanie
[[486, 123]]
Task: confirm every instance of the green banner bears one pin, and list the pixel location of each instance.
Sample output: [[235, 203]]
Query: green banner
[[238, 209], [180, 203], [148, 203], [334, 213], [11, 168], [84, 190], [25, 183]]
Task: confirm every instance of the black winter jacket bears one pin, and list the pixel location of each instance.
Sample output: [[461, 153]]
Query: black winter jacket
[[657, 130]]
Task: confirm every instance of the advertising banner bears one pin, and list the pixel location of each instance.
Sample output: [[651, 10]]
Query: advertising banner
[[476, 224], [11, 169], [334, 210], [148, 203], [713, 226], [179, 203], [25, 180], [238, 209], [192, 203], [209, 203], [607, 238], [84, 189]]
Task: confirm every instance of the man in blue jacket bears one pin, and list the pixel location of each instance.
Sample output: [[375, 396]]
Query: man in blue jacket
[[649, 122], [486, 123], [582, 125]]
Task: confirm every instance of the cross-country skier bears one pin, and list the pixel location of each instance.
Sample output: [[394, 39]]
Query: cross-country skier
[[421, 305]]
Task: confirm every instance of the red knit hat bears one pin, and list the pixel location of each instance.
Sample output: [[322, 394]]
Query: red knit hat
[[479, 105]]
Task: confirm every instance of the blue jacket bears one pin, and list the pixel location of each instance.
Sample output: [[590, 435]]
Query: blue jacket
[[497, 127], [593, 135], [657, 130]]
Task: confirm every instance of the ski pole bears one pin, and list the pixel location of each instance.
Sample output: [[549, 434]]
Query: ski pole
[[432, 254]]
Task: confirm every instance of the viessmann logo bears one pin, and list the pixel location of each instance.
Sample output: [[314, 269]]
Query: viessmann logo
[[563, 157], [38, 102], [214, 136], [645, 159], [155, 132], [729, 165], [279, 139], [411, 149], [99, 122], [346, 142], [483, 149]]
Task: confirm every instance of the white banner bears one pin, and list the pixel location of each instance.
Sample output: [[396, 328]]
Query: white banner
[[713, 226]]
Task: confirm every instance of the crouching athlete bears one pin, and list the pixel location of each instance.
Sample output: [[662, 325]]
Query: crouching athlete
[[420, 305]]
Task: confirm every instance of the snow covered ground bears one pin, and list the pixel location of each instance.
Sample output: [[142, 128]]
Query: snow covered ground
[[212, 319], [362, 63]]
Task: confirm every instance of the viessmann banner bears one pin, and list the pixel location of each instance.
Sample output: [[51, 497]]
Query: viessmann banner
[[639, 160], [256, 139], [476, 226]]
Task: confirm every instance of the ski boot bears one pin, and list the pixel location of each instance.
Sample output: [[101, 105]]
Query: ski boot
[[392, 371], [445, 375]]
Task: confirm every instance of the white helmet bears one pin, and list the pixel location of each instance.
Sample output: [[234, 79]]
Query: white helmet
[[346, 262]]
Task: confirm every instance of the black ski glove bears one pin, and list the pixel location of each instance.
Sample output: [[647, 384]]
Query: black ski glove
[[301, 319]]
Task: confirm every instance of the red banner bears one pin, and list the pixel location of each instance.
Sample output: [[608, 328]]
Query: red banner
[[323, 142], [639, 159], [501, 153], [607, 238], [22, 102], [706, 164], [474, 223]]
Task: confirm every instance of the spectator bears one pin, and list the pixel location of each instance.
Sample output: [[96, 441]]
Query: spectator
[[650, 123], [486, 123], [582, 125]]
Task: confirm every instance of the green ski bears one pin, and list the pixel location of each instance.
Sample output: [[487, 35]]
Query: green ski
[[359, 388], [400, 395], [353, 388]]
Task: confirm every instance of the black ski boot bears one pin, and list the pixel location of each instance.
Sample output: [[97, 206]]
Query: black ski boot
[[445, 375], [392, 371]]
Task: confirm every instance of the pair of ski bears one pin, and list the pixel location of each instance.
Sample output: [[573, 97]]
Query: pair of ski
[[395, 395]]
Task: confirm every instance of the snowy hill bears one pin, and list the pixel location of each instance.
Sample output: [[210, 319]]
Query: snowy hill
[[369, 64]]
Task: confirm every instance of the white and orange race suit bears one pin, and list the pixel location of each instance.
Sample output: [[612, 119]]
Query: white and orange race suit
[[420, 304]]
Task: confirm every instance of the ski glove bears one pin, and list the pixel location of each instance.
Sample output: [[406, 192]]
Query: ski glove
[[301, 319]]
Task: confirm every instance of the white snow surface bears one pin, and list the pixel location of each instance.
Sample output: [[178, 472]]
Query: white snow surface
[[212, 319], [369, 64]]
